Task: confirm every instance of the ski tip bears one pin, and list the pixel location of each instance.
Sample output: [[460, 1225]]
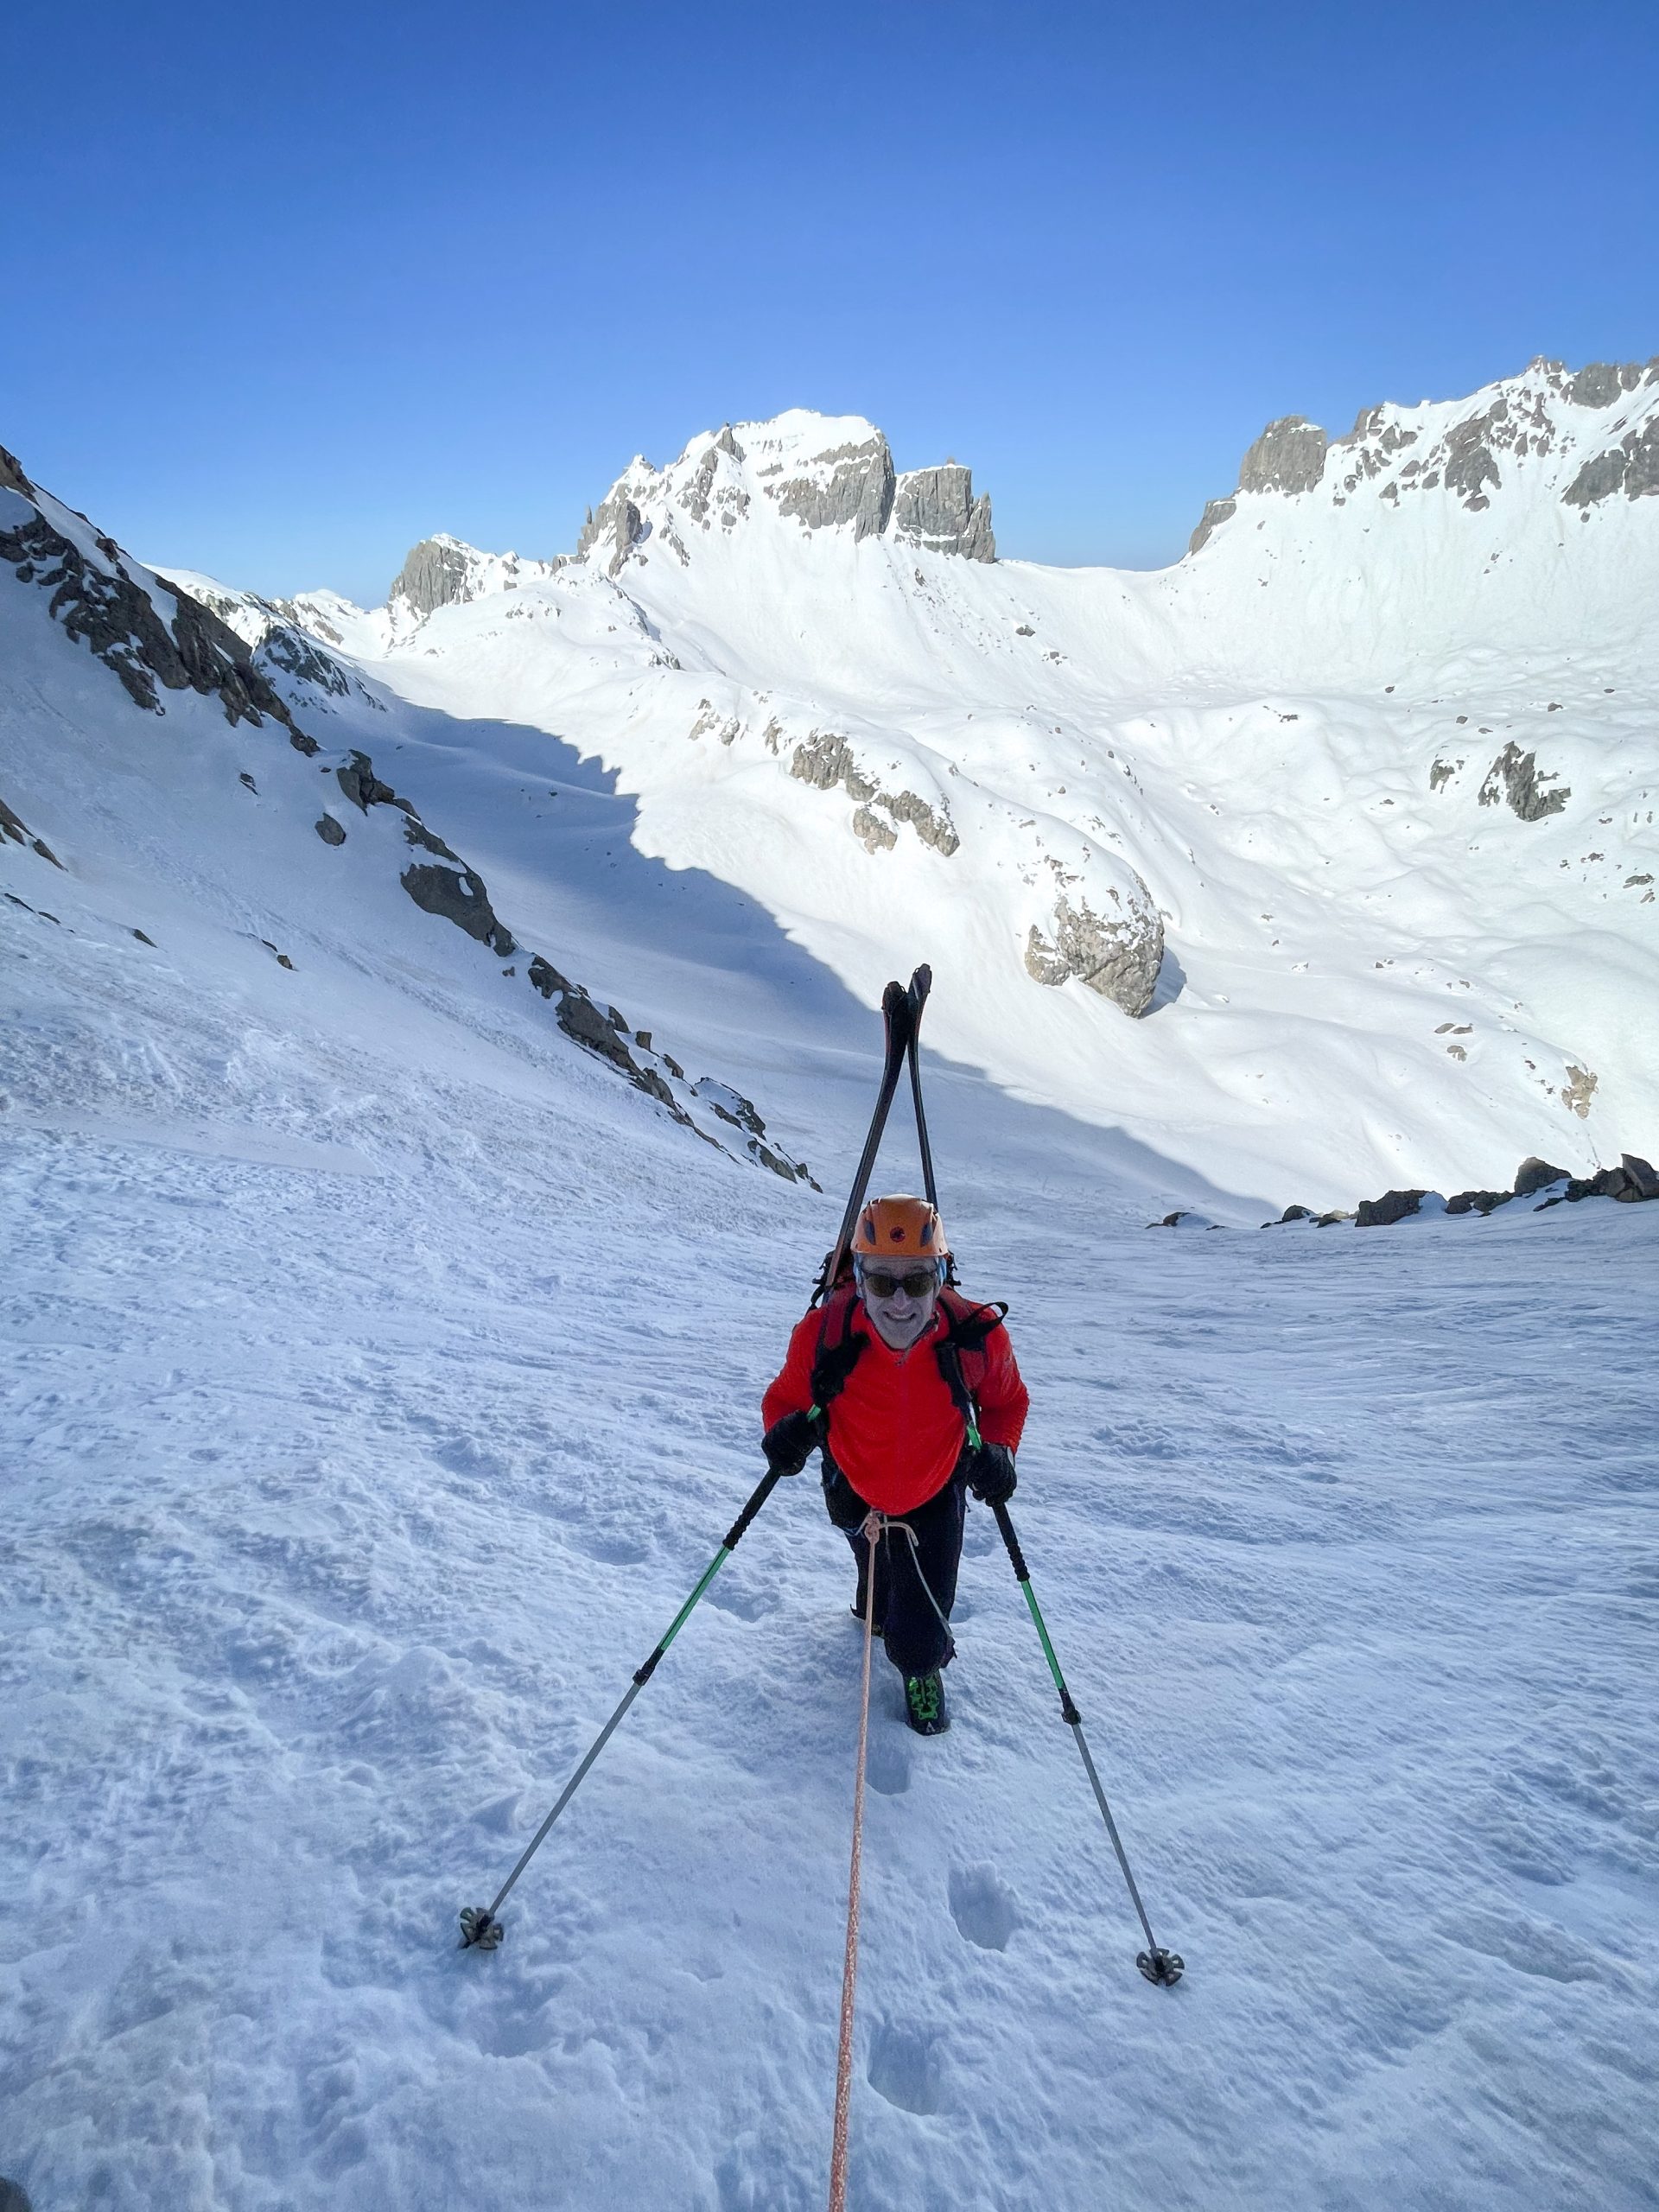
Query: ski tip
[[921, 983], [1164, 1967], [480, 1930]]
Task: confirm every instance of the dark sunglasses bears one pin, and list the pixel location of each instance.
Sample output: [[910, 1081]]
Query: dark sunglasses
[[915, 1282]]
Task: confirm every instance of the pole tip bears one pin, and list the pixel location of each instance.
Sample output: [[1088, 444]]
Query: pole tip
[[1165, 1968], [480, 1930]]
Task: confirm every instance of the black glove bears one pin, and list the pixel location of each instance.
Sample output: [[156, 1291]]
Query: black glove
[[842, 1502], [991, 1474], [788, 1443]]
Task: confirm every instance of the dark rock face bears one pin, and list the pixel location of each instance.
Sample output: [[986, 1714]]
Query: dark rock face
[[123, 628], [1639, 1174], [1514, 776], [460, 898], [1392, 1206], [330, 831], [13, 2198], [1630, 466], [1533, 1175], [938, 506], [618, 520], [860, 491], [1216, 513], [1602, 382], [362, 786], [1469, 466], [1288, 456], [1482, 1202], [12, 478], [292, 651], [13, 826], [435, 573]]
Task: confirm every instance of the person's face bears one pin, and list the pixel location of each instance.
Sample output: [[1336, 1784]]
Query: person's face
[[899, 1296]]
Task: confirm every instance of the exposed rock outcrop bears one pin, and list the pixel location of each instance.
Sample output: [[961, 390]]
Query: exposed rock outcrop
[[1392, 1206], [824, 759], [13, 826], [1630, 466], [1216, 513], [616, 519], [1288, 456], [1534, 1175], [123, 626], [1514, 776], [937, 507], [859, 489], [435, 573], [460, 897], [1117, 955]]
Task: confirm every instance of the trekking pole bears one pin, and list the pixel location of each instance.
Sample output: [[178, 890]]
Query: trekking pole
[[479, 1928], [1157, 1964]]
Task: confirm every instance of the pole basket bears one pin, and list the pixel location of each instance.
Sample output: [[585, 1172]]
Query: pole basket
[[1165, 1968], [480, 1930]]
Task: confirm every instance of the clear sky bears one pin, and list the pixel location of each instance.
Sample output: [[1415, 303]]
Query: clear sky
[[287, 288]]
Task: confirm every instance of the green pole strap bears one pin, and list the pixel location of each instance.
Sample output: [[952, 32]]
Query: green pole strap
[[645, 1672], [1066, 1704]]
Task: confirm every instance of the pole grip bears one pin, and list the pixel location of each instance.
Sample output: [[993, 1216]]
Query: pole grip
[[763, 1491], [1006, 1528]]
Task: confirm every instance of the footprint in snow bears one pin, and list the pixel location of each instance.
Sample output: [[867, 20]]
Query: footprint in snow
[[982, 1907], [905, 2067], [889, 1764]]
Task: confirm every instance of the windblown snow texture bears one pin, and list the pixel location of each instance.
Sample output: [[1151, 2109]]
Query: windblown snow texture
[[381, 1360]]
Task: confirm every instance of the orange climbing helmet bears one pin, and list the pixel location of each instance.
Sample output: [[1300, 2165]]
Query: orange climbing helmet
[[899, 1228]]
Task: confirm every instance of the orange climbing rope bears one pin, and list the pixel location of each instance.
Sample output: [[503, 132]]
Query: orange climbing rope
[[849, 1970]]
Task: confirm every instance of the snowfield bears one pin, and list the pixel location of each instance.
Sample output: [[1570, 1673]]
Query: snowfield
[[394, 1260], [347, 1490]]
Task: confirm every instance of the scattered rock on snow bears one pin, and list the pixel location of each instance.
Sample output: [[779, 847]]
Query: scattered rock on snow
[[458, 897], [13, 826], [330, 831], [1514, 776], [1392, 1206], [1534, 1175], [1481, 1202]]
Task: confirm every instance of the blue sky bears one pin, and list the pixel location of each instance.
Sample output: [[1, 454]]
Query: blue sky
[[285, 290]]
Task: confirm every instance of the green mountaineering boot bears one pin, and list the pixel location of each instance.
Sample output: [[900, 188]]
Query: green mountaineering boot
[[925, 1704]]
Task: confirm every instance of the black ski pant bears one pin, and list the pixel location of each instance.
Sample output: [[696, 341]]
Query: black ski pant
[[917, 1640]]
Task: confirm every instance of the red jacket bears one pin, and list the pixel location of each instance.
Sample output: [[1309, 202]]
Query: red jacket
[[895, 1431]]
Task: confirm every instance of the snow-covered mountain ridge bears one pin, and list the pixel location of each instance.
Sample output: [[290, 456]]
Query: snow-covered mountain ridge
[[1353, 804], [216, 857]]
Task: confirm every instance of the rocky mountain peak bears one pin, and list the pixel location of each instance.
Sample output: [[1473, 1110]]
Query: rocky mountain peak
[[442, 570], [1573, 437], [820, 472]]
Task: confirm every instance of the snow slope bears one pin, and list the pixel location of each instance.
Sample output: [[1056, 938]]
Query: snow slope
[[1355, 804], [379, 1368], [347, 1487]]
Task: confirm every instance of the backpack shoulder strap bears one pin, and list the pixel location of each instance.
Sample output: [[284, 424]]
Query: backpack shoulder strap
[[839, 1348], [969, 1321], [967, 1326]]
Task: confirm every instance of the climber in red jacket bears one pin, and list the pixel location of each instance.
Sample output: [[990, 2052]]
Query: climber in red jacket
[[913, 1394]]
